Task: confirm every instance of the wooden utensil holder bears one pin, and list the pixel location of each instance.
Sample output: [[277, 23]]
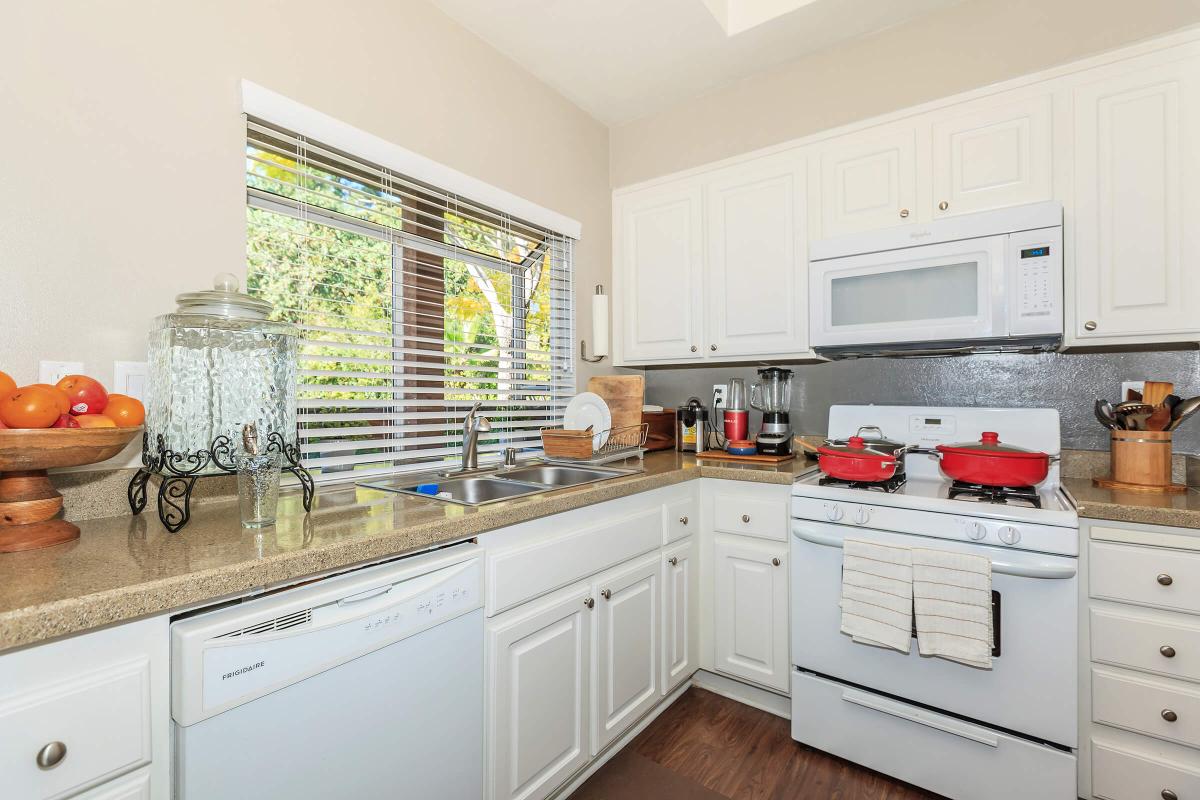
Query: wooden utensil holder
[[1141, 462]]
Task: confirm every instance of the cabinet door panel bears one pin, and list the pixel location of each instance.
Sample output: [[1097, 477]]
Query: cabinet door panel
[[751, 611], [626, 648], [993, 156], [1136, 172], [757, 257], [680, 615], [539, 661], [660, 304], [869, 181]]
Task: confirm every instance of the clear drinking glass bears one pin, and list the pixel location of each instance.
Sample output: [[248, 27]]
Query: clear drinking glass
[[258, 488], [737, 394]]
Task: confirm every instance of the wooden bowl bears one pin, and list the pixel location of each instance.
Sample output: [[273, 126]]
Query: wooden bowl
[[29, 503]]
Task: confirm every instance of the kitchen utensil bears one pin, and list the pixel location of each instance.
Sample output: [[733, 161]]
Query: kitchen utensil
[[29, 503], [1182, 411], [1159, 419], [736, 416], [990, 463], [1153, 392], [624, 394], [772, 394], [1129, 412], [691, 426], [1104, 415], [588, 409], [740, 447], [862, 459], [806, 446]]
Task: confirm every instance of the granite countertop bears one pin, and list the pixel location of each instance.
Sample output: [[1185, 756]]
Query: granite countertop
[[122, 568], [1179, 510]]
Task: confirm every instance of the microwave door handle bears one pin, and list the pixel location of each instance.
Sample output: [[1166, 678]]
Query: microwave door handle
[[1042, 571]]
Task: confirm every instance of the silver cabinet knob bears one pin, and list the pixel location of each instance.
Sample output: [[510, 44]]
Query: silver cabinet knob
[[1167, 794], [775, 562], [1165, 579], [745, 517], [683, 520], [673, 561], [51, 755], [904, 213], [1169, 715], [1090, 325], [606, 594], [1167, 651], [712, 347], [942, 206], [693, 348], [589, 602]]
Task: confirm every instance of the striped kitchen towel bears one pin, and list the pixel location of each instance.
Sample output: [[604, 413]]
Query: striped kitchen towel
[[952, 599], [877, 594]]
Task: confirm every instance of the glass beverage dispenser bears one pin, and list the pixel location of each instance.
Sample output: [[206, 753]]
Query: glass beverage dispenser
[[215, 364]]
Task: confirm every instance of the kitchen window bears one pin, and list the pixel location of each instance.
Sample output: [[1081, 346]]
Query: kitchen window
[[413, 304]]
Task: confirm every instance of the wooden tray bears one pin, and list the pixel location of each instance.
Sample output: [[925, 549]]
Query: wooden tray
[[721, 455], [1109, 483]]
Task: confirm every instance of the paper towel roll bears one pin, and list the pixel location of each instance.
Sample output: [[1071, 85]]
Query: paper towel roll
[[599, 324]]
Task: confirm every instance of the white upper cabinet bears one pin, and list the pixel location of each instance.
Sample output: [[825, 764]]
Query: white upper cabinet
[[869, 180], [658, 249], [992, 153], [756, 256], [1137, 199]]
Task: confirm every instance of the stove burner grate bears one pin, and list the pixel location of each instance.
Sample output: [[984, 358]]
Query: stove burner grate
[[994, 494], [890, 485]]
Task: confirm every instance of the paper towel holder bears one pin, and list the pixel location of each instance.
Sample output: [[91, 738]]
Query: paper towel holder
[[599, 326]]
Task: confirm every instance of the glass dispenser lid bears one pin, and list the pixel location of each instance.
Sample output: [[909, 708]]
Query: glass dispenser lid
[[223, 300]]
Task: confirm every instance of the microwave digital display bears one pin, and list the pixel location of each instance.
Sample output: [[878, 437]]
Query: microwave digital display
[[1035, 252]]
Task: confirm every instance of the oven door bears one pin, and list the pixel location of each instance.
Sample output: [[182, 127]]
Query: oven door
[[1031, 688], [940, 292]]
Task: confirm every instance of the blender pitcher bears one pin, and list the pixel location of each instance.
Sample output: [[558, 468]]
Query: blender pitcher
[[772, 393]]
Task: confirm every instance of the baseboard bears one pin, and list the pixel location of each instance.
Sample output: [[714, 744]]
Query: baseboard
[[754, 696]]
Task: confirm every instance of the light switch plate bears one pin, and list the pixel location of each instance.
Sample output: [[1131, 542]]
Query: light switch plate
[[129, 378], [52, 372]]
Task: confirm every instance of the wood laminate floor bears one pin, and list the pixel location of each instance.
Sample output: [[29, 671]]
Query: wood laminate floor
[[707, 747]]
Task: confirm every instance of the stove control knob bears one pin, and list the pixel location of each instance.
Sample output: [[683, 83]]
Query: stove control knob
[[1008, 534], [976, 531], [862, 516], [834, 512]]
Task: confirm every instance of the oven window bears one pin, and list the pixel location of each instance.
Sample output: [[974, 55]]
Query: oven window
[[907, 295]]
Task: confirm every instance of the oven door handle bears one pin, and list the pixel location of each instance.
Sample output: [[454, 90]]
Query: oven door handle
[[1043, 571], [917, 716]]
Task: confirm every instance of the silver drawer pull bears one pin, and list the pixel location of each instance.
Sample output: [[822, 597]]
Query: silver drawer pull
[[1167, 651], [1167, 794], [745, 517], [1169, 715], [775, 562], [589, 602], [683, 520], [606, 594], [673, 561], [1165, 579], [51, 755]]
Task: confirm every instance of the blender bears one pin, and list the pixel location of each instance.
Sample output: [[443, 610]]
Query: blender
[[772, 395]]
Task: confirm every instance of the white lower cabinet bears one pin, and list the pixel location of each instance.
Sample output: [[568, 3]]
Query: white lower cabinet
[[750, 606], [539, 662], [680, 651]]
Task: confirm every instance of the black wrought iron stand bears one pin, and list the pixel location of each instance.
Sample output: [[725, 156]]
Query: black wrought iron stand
[[180, 471]]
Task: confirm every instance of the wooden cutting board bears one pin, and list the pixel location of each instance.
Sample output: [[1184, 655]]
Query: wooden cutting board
[[624, 394]]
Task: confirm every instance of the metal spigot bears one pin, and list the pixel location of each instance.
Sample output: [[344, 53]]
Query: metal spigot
[[472, 426]]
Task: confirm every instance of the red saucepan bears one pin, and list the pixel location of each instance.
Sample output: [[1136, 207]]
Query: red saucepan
[[862, 459], [990, 463]]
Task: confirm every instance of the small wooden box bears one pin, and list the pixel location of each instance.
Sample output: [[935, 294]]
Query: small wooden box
[[567, 444], [661, 433]]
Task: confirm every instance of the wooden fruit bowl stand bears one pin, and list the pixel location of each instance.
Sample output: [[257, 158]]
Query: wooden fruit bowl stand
[[29, 503]]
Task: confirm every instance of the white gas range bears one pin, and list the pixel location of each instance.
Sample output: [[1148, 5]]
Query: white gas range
[[964, 732]]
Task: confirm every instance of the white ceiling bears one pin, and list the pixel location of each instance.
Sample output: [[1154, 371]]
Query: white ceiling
[[623, 59]]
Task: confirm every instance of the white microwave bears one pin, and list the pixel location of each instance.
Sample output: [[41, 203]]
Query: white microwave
[[985, 282]]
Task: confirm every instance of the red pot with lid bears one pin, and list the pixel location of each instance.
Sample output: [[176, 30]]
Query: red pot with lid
[[862, 459], [988, 462]]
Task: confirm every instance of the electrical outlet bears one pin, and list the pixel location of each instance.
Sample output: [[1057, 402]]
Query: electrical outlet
[[129, 377], [52, 372], [720, 394]]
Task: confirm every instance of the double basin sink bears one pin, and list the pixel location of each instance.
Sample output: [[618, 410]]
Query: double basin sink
[[502, 483]]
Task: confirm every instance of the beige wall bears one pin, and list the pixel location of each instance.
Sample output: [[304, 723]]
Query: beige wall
[[121, 174], [964, 47]]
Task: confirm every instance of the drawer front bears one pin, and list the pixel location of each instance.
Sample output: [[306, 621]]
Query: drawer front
[[102, 719], [1151, 706], [735, 512], [1119, 774], [681, 517], [915, 745], [1145, 575], [524, 572], [127, 787], [1159, 644]]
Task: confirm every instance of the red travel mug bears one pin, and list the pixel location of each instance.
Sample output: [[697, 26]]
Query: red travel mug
[[737, 423]]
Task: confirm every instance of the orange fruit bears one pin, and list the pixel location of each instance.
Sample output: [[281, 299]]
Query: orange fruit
[[7, 384], [64, 402], [29, 407], [127, 412], [94, 421]]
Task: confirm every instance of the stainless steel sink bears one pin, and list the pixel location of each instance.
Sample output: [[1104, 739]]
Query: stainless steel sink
[[494, 485]]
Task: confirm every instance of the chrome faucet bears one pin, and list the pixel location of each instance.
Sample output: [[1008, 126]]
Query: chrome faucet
[[472, 426]]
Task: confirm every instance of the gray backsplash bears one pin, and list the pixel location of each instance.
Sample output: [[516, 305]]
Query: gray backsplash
[[1067, 382]]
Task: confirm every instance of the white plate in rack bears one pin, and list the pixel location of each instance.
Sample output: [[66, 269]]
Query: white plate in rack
[[587, 408]]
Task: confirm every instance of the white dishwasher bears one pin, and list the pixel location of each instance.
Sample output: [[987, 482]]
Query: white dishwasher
[[364, 685]]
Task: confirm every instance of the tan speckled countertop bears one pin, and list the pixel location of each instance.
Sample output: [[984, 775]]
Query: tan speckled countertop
[[126, 567], [1179, 510]]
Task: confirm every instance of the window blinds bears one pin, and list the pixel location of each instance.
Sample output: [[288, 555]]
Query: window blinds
[[413, 304]]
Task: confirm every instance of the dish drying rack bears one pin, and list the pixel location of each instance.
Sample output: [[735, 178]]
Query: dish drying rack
[[623, 442]]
